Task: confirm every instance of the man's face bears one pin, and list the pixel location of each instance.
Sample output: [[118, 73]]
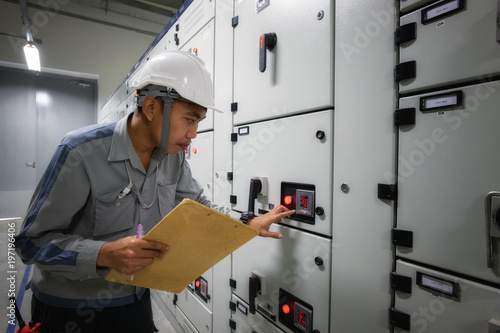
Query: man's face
[[184, 119]]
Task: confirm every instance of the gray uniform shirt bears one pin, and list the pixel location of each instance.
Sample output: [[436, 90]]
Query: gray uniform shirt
[[77, 207]]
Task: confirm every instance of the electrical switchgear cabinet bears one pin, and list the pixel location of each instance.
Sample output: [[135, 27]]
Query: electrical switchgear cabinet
[[298, 75], [200, 159], [304, 156], [449, 161], [245, 322], [299, 263], [408, 5], [196, 16], [430, 307], [454, 47], [202, 46], [195, 310]]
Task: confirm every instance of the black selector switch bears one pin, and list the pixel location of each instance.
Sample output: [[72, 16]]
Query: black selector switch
[[253, 288], [266, 42]]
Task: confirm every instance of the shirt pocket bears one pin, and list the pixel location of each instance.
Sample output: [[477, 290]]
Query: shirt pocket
[[113, 215], [166, 196]]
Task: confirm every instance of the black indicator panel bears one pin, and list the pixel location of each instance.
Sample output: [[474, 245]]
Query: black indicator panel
[[295, 313], [299, 197], [201, 288]]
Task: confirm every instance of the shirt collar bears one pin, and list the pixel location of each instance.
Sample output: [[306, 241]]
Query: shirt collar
[[122, 148], [121, 145]]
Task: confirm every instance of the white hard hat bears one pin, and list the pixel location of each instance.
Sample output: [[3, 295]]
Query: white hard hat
[[181, 71]]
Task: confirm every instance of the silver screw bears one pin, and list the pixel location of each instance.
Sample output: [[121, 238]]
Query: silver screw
[[344, 188], [320, 15]]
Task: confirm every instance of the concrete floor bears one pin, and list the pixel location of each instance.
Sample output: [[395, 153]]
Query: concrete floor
[[10, 269]]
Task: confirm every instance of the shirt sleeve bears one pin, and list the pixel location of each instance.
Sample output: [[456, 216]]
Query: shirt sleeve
[[45, 238], [188, 187]]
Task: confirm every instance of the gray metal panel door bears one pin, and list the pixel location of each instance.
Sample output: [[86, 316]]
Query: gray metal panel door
[[37, 110], [432, 310], [287, 150], [448, 162], [299, 264], [201, 160], [18, 130], [456, 47], [299, 69], [63, 105], [250, 323]]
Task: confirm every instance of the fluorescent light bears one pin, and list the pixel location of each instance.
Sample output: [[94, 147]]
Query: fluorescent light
[[32, 57]]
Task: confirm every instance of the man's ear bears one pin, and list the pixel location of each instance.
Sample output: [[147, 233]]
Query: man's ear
[[148, 107]]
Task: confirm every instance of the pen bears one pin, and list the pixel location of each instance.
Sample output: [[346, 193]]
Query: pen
[[139, 236]]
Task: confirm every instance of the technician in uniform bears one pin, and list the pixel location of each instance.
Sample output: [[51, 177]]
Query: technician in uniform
[[101, 183]]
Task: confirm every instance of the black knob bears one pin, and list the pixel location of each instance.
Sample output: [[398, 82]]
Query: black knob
[[318, 261], [320, 135], [253, 289], [319, 211], [266, 42], [255, 188], [497, 218]]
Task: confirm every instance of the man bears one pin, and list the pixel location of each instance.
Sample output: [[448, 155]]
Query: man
[[101, 183]]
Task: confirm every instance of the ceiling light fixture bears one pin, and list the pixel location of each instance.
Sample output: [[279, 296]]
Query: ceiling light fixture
[[32, 57], [30, 50]]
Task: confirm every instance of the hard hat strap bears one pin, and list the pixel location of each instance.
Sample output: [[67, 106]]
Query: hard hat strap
[[168, 96], [167, 110]]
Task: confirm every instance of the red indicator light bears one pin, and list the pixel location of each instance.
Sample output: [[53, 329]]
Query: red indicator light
[[288, 200], [195, 50], [197, 284], [286, 309], [195, 151]]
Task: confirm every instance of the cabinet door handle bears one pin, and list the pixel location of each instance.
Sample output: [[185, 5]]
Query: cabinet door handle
[[492, 227], [267, 42]]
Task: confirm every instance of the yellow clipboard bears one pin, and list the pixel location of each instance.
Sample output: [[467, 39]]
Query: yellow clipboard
[[198, 236]]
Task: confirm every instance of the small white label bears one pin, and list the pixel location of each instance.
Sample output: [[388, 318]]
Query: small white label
[[243, 130], [241, 307], [443, 9], [442, 286], [441, 102]]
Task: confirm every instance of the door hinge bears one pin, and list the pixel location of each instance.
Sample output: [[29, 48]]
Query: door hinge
[[406, 33], [400, 319], [387, 191], [232, 283], [234, 137], [232, 306], [405, 70], [404, 117], [234, 107], [232, 324], [402, 238], [234, 21], [401, 283]]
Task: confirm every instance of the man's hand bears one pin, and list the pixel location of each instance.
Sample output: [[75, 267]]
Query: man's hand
[[129, 255], [263, 222]]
